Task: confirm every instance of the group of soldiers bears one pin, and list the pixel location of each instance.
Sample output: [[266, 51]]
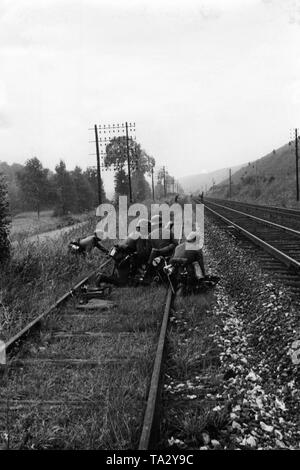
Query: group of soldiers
[[150, 252]]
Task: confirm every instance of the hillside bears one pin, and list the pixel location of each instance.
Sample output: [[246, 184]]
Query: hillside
[[268, 180], [203, 181]]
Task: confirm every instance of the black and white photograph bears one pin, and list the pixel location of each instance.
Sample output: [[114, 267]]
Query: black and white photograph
[[150, 228]]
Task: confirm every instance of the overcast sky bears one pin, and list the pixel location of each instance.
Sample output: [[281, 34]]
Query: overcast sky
[[209, 83]]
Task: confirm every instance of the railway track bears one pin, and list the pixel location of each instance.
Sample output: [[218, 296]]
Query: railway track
[[288, 217], [278, 242], [74, 376]]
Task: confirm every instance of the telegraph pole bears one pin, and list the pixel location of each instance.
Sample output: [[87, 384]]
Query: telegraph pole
[[128, 163], [98, 165], [164, 171], [297, 165], [152, 179], [229, 183], [256, 180]]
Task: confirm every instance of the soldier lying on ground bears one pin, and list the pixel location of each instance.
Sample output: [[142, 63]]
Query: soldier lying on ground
[[85, 245]]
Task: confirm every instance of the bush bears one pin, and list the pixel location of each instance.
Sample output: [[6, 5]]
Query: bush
[[4, 221]]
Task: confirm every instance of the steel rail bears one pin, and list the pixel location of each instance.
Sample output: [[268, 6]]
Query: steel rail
[[151, 413], [12, 341], [287, 260], [273, 209], [267, 222]]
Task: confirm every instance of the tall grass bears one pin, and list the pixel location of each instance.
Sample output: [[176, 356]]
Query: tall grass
[[37, 274]]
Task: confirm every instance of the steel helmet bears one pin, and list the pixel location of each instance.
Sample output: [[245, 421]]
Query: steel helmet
[[134, 235], [192, 237]]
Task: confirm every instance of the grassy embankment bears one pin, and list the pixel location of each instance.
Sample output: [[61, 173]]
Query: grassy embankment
[[37, 275], [268, 180]]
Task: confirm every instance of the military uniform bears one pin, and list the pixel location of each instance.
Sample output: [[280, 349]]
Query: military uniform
[[191, 255], [162, 242]]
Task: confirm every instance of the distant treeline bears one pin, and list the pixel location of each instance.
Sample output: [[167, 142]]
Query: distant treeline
[[33, 187]]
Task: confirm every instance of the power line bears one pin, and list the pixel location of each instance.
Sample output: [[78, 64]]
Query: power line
[[104, 133]]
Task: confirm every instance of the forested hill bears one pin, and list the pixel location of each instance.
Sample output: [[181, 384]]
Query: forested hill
[[203, 181], [268, 180]]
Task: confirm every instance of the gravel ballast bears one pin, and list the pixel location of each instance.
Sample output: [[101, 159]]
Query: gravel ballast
[[252, 396]]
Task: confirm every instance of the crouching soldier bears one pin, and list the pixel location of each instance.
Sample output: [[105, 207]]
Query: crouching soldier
[[188, 261], [161, 239], [161, 243]]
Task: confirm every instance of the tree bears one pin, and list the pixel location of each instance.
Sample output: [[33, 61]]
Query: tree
[[121, 183], [15, 196], [160, 186], [140, 186], [91, 174], [84, 193], [34, 183], [159, 190], [140, 164], [66, 194], [116, 152], [4, 221]]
